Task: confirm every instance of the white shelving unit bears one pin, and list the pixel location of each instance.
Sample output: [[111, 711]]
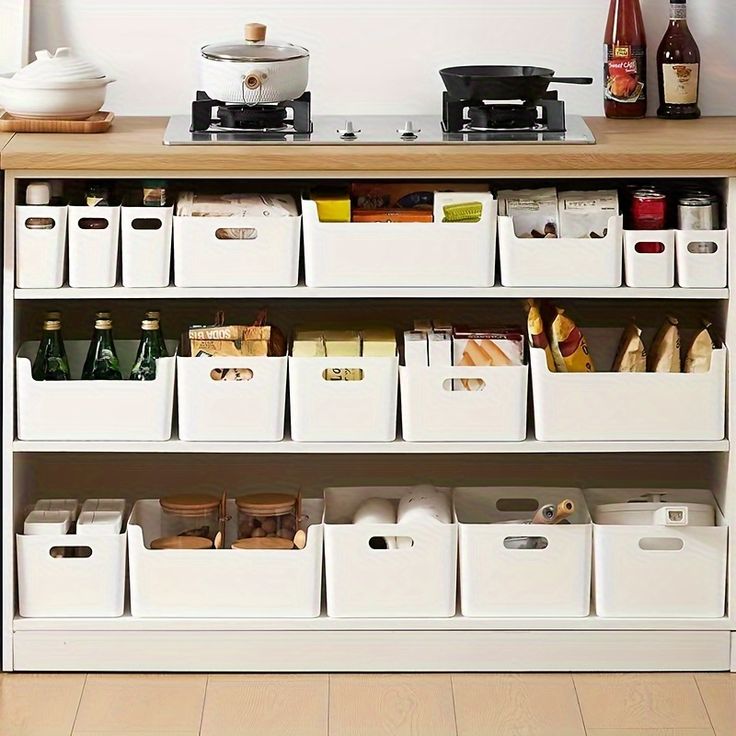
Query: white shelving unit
[[140, 469]]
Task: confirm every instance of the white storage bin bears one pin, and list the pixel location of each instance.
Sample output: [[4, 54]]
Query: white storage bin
[[80, 586], [94, 410], [406, 582], [606, 406], [205, 256], [498, 578], [657, 571], [702, 270], [324, 410], [400, 253], [244, 410], [40, 254], [94, 233], [560, 261], [223, 583], [146, 245], [649, 270], [431, 411]]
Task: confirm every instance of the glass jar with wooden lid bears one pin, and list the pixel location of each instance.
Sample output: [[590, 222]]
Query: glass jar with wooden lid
[[190, 515], [267, 521]]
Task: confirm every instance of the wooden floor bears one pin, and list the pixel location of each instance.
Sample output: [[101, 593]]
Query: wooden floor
[[368, 705]]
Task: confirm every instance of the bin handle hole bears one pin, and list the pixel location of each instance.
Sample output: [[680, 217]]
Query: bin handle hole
[[236, 233], [649, 247], [381, 543], [146, 223], [517, 504], [342, 374], [662, 544], [231, 374], [470, 383], [61, 552], [526, 543], [702, 247], [40, 223], [93, 223]]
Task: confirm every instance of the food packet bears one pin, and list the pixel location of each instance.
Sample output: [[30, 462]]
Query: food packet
[[587, 214], [700, 354], [664, 355], [537, 335], [569, 349], [221, 340], [631, 356], [533, 211]]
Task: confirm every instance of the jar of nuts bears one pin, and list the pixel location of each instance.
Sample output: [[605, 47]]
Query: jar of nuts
[[267, 521], [190, 515]]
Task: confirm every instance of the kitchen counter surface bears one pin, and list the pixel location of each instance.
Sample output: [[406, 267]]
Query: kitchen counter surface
[[135, 145]]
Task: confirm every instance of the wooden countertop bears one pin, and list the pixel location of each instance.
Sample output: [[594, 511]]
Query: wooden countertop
[[134, 144]]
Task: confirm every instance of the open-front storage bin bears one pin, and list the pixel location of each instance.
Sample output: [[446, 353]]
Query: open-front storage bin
[[146, 246], [40, 246], [557, 262], [94, 235], [416, 578], [658, 553], [231, 398], [223, 583], [522, 569], [399, 253], [434, 408], [649, 258], [606, 406], [702, 258], [95, 410]]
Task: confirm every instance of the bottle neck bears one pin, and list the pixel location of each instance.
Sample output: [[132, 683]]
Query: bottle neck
[[51, 339], [103, 337], [678, 12]]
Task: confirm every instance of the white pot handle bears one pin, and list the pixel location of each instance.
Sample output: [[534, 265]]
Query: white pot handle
[[671, 516]]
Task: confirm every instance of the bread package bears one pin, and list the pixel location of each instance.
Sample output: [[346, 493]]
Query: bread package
[[471, 347], [537, 335], [631, 356], [221, 340], [700, 354], [664, 355], [569, 349]]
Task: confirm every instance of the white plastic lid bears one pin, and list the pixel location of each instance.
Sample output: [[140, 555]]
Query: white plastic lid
[[38, 193], [61, 66]]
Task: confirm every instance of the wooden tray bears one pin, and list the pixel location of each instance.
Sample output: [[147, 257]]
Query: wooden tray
[[97, 123]]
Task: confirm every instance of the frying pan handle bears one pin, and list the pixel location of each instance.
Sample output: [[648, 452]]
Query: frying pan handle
[[571, 80]]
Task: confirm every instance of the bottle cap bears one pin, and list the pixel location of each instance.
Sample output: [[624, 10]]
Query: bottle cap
[[38, 193], [153, 314], [51, 325], [53, 315], [149, 324], [103, 324], [103, 315]]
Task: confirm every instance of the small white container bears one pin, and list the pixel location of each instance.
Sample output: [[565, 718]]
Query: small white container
[[205, 256], [94, 234], [247, 410], [649, 270], [94, 410], [498, 577], [416, 580], [696, 269], [658, 569], [325, 410], [146, 246], [224, 583], [400, 253], [606, 406], [46, 523], [431, 411], [40, 253], [556, 262]]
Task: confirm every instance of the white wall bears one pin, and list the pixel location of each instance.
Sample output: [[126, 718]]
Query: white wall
[[368, 55]]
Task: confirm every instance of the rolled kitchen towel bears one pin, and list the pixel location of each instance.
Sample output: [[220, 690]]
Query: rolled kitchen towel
[[423, 503], [377, 511]]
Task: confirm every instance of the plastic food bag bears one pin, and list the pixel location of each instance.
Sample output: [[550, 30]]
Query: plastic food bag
[[664, 356], [569, 349], [537, 335], [700, 354], [631, 356]]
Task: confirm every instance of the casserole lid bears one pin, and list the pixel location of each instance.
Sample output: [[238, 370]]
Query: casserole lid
[[254, 48], [61, 66]]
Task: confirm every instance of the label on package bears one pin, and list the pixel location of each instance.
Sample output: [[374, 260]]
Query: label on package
[[680, 83], [625, 73]]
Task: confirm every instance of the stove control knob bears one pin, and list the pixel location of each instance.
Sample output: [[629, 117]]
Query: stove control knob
[[408, 132], [348, 133]]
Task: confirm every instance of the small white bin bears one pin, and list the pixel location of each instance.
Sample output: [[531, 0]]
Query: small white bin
[[649, 270], [606, 406], [223, 583], [40, 253], [499, 577], [324, 410], [431, 411], [417, 581], [92, 583], [702, 270], [206, 255], [400, 253], [247, 410], [94, 410], [94, 234], [557, 262], [658, 571], [146, 246]]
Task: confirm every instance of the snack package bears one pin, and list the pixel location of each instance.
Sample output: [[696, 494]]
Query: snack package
[[221, 340], [587, 214], [503, 347], [380, 215], [403, 195], [193, 204], [664, 355], [378, 342], [415, 349], [700, 354], [569, 349], [537, 335], [534, 211], [333, 205], [631, 356]]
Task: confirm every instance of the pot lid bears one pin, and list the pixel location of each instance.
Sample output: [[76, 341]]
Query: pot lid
[[190, 503], [61, 66], [181, 543], [267, 504], [254, 48], [263, 543]]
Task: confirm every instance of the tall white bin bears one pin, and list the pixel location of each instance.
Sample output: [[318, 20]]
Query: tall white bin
[[94, 235], [40, 251], [146, 246]]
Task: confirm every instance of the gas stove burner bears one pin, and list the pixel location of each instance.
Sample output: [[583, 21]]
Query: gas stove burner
[[243, 117], [503, 117]]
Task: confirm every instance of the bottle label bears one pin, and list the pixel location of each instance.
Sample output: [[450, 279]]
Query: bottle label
[[678, 12], [680, 83], [625, 73]]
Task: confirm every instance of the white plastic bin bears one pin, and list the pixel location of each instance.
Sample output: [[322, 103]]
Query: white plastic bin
[[324, 410], [205, 254], [607, 406], [247, 410], [80, 586], [40, 254], [649, 270], [146, 246], [94, 410], [94, 234], [223, 583], [657, 571], [696, 269], [431, 411], [498, 577], [557, 262], [406, 582], [400, 253]]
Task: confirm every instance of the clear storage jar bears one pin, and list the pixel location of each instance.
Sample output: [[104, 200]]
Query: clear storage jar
[[190, 515], [267, 520]]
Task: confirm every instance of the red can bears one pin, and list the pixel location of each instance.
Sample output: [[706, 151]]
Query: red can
[[648, 210]]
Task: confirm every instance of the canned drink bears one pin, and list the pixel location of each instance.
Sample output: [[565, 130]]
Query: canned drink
[[648, 209], [700, 211]]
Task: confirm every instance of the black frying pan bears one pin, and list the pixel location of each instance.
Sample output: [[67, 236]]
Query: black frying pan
[[502, 82]]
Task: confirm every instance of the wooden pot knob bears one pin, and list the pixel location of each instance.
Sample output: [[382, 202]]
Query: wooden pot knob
[[255, 32]]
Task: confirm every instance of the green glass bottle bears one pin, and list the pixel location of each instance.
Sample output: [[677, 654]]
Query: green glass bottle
[[144, 367], [163, 350], [102, 361], [51, 363]]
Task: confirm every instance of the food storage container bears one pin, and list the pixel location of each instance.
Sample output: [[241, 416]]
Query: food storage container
[[40, 246], [190, 515], [266, 516], [649, 258]]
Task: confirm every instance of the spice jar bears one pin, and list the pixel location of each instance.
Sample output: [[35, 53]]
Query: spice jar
[[267, 516], [190, 515]]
